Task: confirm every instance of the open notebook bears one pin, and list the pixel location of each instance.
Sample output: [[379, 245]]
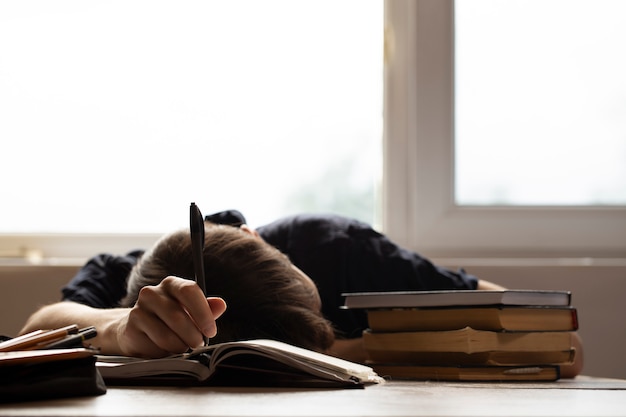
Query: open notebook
[[247, 363]]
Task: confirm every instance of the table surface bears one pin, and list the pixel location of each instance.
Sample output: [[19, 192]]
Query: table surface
[[583, 396]]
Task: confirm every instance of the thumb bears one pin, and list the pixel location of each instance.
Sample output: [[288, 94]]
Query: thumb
[[218, 306]]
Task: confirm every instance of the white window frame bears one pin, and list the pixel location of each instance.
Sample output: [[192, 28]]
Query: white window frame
[[419, 209], [418, 180]]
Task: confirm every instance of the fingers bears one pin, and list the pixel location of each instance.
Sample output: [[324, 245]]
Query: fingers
[[191, 298], [143, 335], [170, 318], [218, 306]]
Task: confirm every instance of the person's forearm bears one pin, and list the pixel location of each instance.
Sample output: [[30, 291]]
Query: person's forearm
[[106, 322], [167, 318]]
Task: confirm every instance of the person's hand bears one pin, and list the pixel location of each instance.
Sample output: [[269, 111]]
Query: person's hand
[[168, 318]]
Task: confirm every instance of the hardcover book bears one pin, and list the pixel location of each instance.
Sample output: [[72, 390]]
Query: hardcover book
[[369, 300], [496, 318], [468, 340], [408, 346]]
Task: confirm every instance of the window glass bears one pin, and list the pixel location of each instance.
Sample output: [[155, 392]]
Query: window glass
[[540, 98], [116, 115]]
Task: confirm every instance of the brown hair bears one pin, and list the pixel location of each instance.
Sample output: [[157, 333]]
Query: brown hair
[[266, 296]]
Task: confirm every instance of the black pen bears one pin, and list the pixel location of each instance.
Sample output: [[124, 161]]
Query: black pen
[[73, 340], [196, 224]]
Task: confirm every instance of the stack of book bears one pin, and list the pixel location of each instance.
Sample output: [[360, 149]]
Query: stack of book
[[510, 335]]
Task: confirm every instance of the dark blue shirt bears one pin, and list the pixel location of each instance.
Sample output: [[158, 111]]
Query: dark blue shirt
[[338, 253]]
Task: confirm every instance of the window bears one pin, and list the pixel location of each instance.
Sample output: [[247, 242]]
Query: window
[[421, 208], [539, 103], [116, 115]]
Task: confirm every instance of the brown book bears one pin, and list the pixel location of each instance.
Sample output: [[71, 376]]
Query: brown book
[[468, 373], [510, 318], [479, 358], [466, 340]]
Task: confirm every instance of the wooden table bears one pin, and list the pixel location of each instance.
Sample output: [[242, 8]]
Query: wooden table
[[582, 396]]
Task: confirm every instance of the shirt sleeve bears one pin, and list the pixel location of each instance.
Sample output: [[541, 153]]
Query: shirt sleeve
[[228, 217], [101, 282]]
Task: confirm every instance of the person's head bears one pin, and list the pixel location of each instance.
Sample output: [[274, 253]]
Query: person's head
[[267, 296]]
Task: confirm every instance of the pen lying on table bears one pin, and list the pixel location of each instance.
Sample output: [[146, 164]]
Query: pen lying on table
[[37, 338], [73, 340], [68, 336]]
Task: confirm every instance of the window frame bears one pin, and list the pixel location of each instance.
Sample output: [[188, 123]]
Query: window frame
[[418, 171], [418, 180]]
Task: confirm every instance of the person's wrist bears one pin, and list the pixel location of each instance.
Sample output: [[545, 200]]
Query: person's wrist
[[111, 335]]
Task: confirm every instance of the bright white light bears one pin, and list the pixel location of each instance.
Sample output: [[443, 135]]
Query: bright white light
[[116, 115], [540, 102]]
